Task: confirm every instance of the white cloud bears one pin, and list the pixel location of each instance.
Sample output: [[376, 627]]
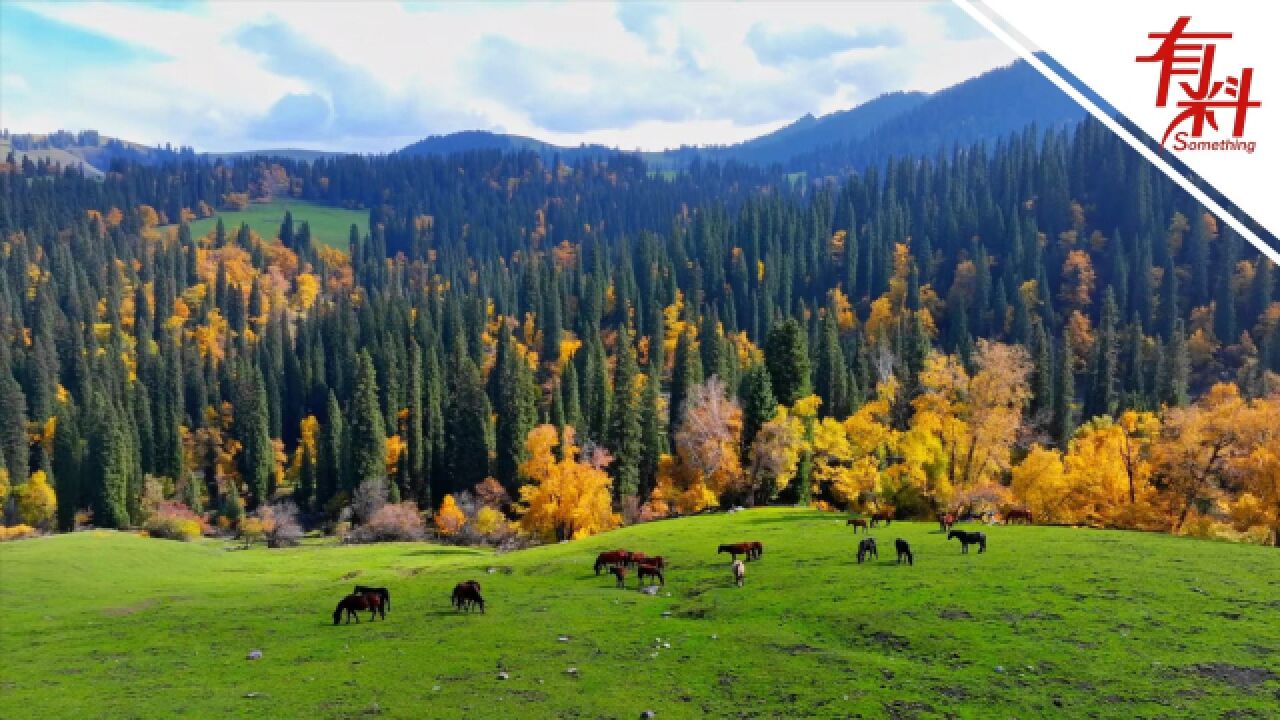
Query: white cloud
[[373, 76]]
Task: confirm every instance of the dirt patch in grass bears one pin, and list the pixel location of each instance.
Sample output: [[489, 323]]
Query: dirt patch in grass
[[903, 710], [125, 610], [890, 641], [352, 575], [1238, 676], [954, 614]]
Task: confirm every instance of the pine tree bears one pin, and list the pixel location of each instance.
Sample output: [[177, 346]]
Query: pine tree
[[515, 399], [1177, 373], [366, 433], [758, 404], [1102, 393], [68, 457], [685, 373], [830, 376], [1224, 306], [110, 466], [624, 422], [257, 453], [466, 430], [416, 459], [306, 490], [653, 439], [330, 466], [786, 355], [1064, 395]]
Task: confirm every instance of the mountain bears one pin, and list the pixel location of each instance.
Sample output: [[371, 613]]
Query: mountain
[[984, 108]]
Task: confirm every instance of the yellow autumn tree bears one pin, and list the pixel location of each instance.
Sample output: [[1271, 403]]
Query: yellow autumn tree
[[449, 519], [566, 498], [706, 464], [1040, 484], [36, 500]]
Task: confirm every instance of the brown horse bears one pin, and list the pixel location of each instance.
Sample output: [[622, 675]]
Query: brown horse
[[379, 591], [610, 558], [353, 603], [657, 561], [858, 523], [619, 572], [466, 595], [946, 522], [1017, 514], [882, 515], [651, 571], [752, 550]]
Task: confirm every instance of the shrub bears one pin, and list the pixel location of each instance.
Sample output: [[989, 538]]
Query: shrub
[[280, 524], [173, 521], [17, 532], [36, 500], [449, 518], [392, 522], [252, 530], [369, 499]]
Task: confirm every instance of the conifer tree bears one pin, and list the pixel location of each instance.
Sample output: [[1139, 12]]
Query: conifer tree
[[366, 433], [624, 434], [786, 356]]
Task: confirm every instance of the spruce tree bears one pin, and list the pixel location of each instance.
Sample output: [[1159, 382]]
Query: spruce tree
[[257, 453], [786, 355], [515, 400], [366, 433], [758, 404], [624, 435], [1102, 392], [1064, 395], [685, 373], [466, 430]]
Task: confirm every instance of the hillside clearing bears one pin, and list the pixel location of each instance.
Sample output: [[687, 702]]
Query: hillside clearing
[[329, 225], [1050, 621]]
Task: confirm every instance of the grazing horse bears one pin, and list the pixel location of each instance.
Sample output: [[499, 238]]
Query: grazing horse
[[885, 515], [379, 591], [466, 595], [858, 523], [737, 549], [612, 557], [619, 572], [904, 551], [653, 571], [947, 521], [1017, 514], [354, 603], [657, 561], [969, 538], [739, 572], [867, 547]]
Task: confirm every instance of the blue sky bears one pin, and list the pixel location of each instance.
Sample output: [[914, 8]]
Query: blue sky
[[375, 76]]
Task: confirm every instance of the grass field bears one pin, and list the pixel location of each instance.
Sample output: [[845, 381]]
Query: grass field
[[329, 225], [1050, 622]]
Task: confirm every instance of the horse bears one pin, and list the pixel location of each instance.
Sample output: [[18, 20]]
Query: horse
[[379, 591], [946, 522], [611, 558], [644, 571], [619, 572], [737, 549], [904, 551], [969, 538], [885, 515], [739, 572], [636, 558], [657, 561], [1017, 514], [867, 547], [858, 523], [466, 595], [356, 602]]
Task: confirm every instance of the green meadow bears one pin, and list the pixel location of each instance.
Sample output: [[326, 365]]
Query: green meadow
[[329, 225], [1049, 622]]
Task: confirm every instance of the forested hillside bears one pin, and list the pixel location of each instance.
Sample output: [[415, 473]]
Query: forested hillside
[[1043, 321]]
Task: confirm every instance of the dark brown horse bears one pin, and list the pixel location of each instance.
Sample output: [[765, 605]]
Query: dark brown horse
[[969, 538], [466, 595], [657, 561], [946, 522], [752, 550], [611, 558], [619, 572], [867, 548], [858, 523], [354, 603], [650, 571], [1017, 514], [379, 591], [904, 552], [882, 515]]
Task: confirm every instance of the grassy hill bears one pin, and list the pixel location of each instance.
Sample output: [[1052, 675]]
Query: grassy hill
[[1049, 622], [329, 225]]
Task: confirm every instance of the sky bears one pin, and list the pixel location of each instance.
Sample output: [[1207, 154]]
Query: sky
[[375, 76]]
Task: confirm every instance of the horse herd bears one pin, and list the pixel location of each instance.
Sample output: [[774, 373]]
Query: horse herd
[[466, 595]]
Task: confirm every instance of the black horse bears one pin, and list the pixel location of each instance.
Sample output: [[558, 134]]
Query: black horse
[[466, 595], [379, 591], [351, 604], [970, 538], [904, 551], [867, 547]]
